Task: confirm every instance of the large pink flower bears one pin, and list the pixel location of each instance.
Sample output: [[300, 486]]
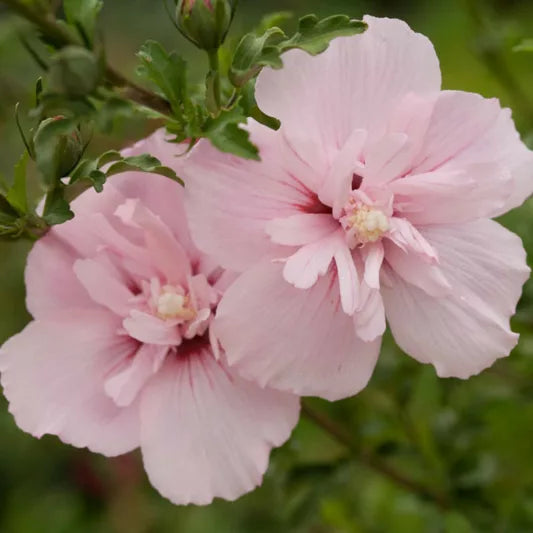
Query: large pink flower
[[372, 202], [120, 354]]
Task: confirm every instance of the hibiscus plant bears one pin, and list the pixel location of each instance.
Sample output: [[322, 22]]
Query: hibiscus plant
[[315, 186]]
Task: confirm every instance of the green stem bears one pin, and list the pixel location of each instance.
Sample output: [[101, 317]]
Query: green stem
[[371, 460], [63, 36], [214, 67]]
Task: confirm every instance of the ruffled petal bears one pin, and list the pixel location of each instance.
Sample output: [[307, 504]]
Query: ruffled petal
[[467, 129], [356, 83], [53, 376], [296, 340], [229, 200], [207, 433], [465, 332]]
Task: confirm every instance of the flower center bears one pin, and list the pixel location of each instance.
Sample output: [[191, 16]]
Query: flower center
[[173, 303], [363, 223]]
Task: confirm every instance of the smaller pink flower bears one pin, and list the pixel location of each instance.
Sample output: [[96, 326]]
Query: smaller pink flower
[[120, 353]]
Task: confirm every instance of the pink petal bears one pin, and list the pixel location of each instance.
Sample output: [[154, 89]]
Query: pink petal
[[207, 433], [124, 384], [166, 254], [310, 262], [373, 255], [50, 281], [468, 129], [103, 286], [387, 158], [408, 238], [370, 318], [413, 269], [53, 376], [300, 229], [455, 196], [349, 284], [152, 330], [229, 199], [354, 84], [338, 183], [467, 331], [296, 340]]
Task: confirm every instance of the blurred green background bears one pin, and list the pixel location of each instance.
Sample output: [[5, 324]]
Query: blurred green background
[[472, 440]]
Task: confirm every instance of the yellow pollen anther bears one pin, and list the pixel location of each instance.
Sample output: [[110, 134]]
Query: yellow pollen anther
[[367, 224], [173, 305]]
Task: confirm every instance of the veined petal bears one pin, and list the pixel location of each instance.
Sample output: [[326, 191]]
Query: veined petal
[[356, 83], [296, 340], [304, 267], [53, 375], [466, 331], [301, 229], [207, 433]]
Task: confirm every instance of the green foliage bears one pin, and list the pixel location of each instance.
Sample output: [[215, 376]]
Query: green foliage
[[83, 14], [313, 35]]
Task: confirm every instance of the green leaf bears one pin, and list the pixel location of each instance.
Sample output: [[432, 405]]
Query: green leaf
[[17, 194], [56, 209], [314, 35], [167, 71], [226, 135], [253, 53], [83, 14], [525, 46], [142, 163]]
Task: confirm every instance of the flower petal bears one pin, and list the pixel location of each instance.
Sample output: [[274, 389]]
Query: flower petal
[[229, 199], [300, 229], [465, 332], [53, 376], [151, 329], [207, 433], [126, 382], [103, 287], [50, 281], [354, 84], [296, 340], [468, 129]]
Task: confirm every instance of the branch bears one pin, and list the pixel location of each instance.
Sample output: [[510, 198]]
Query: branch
[[371, 460], [61, 35]]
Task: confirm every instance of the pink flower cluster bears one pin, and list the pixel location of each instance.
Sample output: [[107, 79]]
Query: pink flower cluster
[[188, 323]]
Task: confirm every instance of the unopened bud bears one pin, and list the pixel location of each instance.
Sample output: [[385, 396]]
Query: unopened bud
[[58, 148], [74, 71], [205, 22]]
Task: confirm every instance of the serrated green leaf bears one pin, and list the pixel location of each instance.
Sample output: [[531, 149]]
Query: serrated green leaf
[[57, 209], [17, 193], [142, 163], [83, 14], [314, 35], [225, 134], [253, 53], [167, 71]]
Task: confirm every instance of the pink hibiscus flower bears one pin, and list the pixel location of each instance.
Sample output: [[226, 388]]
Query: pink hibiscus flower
[[120, 355], [371, 203]]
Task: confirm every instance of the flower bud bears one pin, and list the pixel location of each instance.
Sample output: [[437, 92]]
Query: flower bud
[[58, 148], [74, 71], [205, 22]]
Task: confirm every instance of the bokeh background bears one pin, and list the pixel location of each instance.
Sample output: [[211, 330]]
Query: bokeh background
[[472, 440]]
